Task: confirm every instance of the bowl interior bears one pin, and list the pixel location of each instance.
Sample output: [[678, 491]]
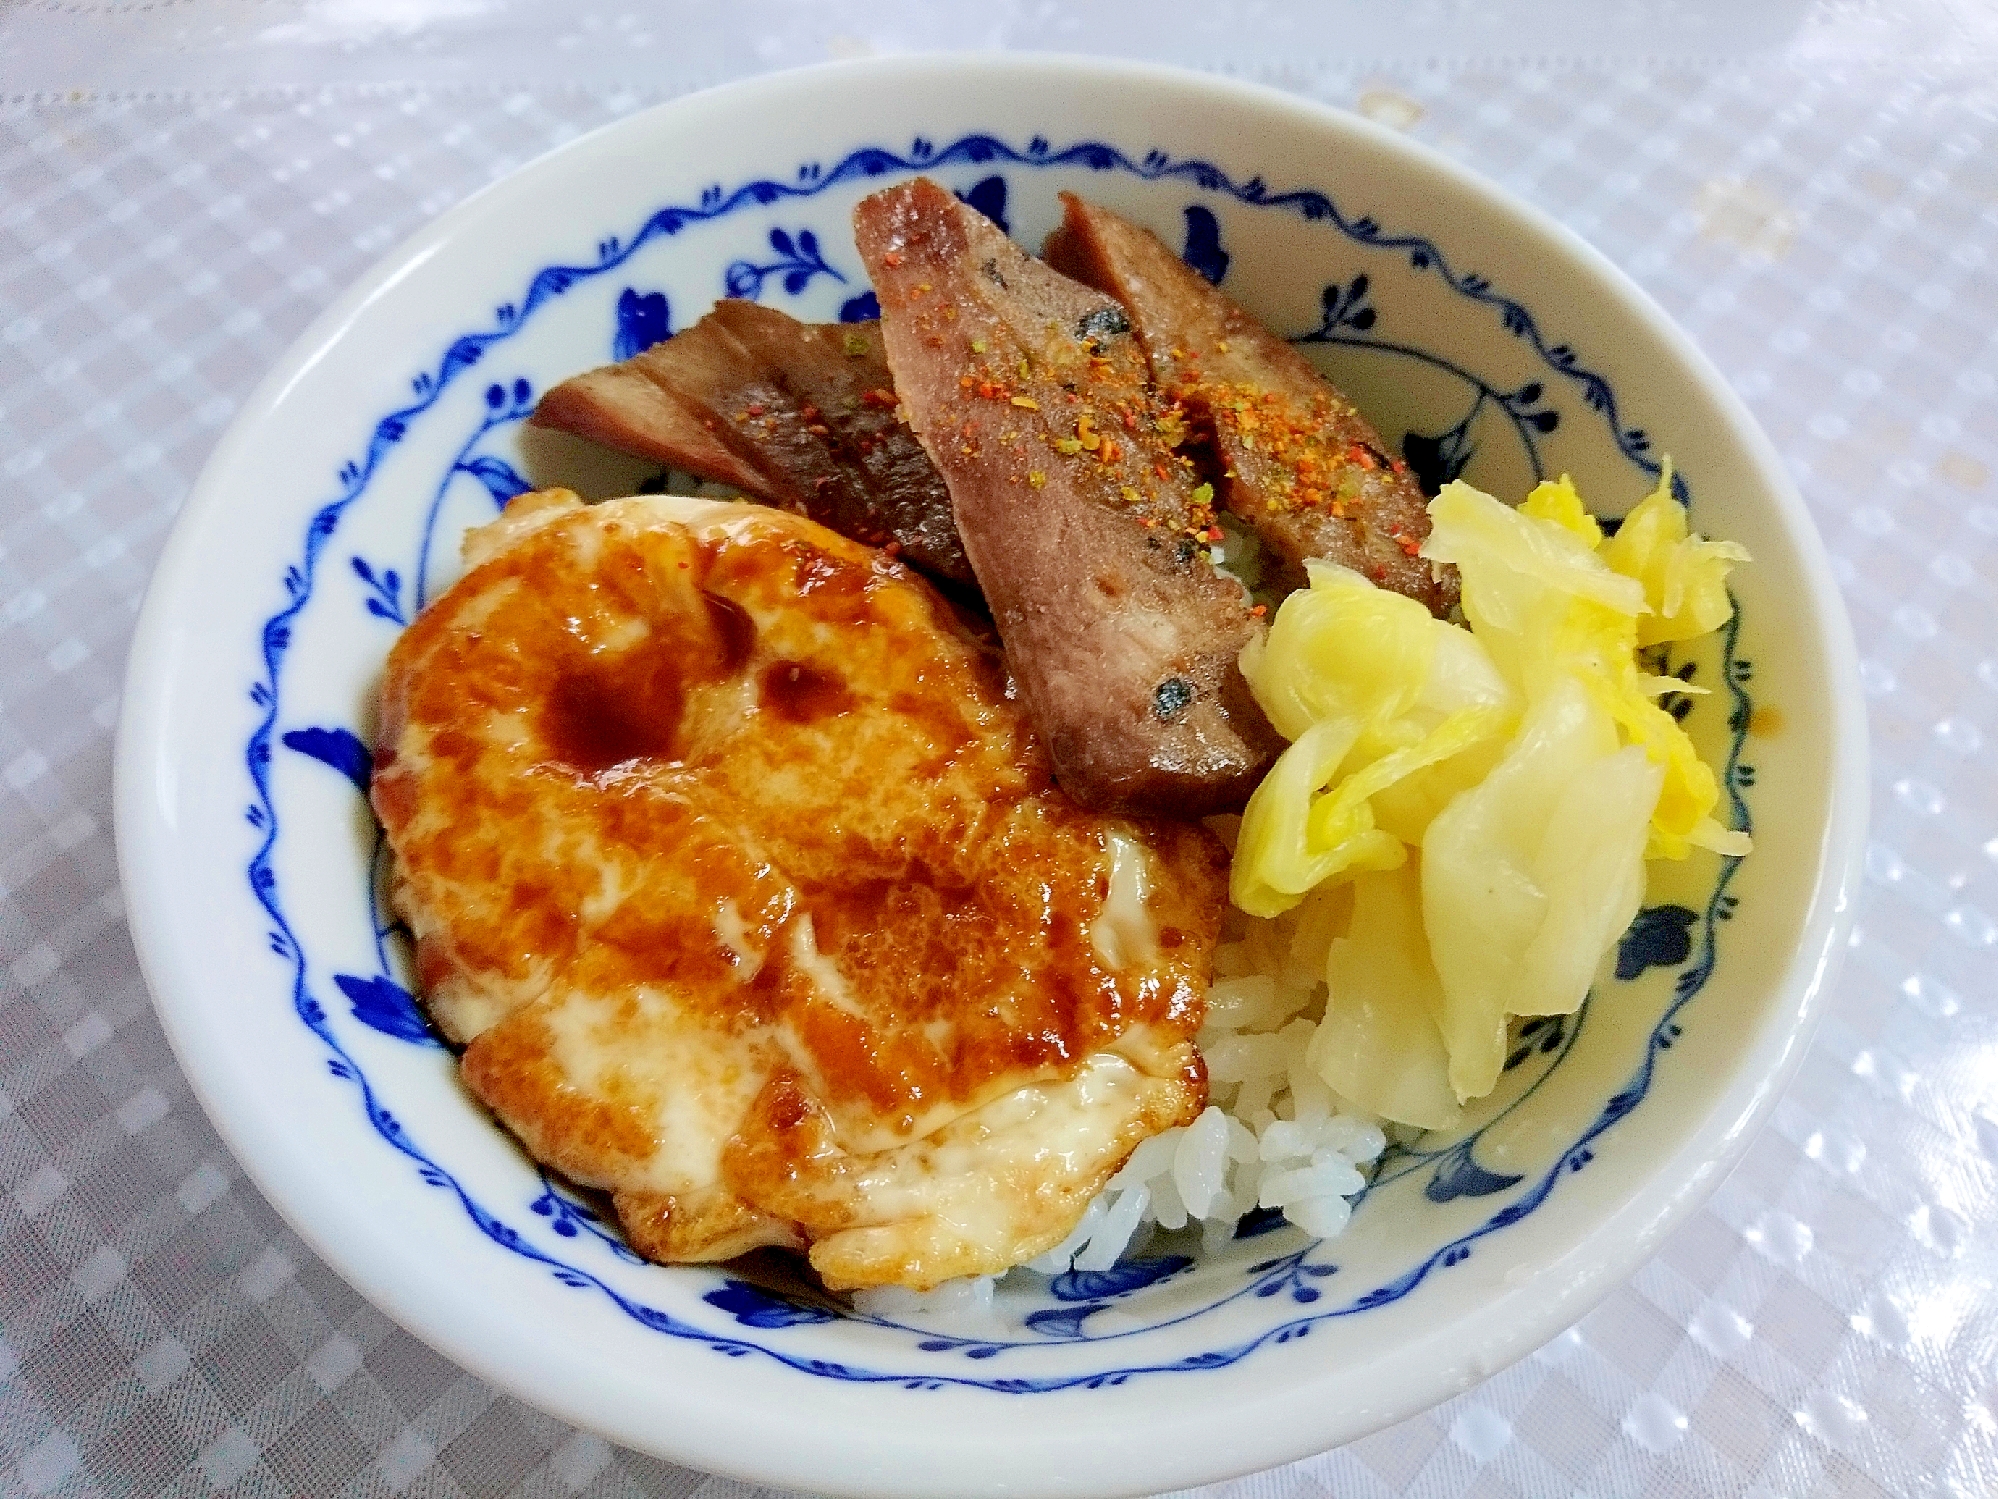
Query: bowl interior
[[1479, 339]]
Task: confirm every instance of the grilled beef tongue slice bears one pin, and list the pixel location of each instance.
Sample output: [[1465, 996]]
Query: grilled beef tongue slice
[[1299, 464], [798, 415], [1088, 533]]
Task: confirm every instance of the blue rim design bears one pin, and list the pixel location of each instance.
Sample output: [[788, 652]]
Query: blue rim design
[[1294, 1273], [1438, 459]]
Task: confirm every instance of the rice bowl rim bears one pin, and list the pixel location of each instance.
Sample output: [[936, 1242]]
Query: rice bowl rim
[[1176, 1439]]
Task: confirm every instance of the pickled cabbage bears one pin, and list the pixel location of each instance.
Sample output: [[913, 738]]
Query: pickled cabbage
[[1543, 599], [1684, 575], [1380, 1044], [1491, 794], [1381, 701], [1528, 877]]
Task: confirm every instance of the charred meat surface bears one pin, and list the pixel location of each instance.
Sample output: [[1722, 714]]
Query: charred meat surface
[[731, 859], [1089, 534], [1298, 463], [798, 415]]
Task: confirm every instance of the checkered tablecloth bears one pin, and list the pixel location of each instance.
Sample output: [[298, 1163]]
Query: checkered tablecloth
[[1810, 188]]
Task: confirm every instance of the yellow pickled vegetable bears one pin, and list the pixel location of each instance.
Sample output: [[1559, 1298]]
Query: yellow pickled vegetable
[[1556, 500], [1684, 575], [1381, 1041], [1529, 876], [1526, 759], [1548, 605], [1379, 698]]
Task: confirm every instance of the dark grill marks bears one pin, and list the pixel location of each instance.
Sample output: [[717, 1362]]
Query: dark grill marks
[[801, 416], [1085, 525]]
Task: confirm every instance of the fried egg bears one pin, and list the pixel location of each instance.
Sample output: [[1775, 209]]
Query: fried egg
[[734, 866]]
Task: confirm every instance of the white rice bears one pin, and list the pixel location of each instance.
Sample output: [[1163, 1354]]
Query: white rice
[[1272, 1136]]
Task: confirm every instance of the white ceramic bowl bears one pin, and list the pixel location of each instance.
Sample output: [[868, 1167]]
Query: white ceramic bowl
[[1476, 332]]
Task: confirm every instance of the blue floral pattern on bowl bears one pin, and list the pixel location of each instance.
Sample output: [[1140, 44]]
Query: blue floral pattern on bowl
[[1301, 1283]]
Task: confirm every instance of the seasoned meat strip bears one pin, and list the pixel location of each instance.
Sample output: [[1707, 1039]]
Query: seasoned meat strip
[[1299, 464], [1089, 535], [798, 415]]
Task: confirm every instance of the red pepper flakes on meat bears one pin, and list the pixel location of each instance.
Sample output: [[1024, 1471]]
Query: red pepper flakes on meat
[[1310, 472]]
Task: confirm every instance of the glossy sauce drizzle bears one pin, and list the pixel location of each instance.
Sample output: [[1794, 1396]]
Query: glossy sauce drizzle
[[799, 693], [609, 710]]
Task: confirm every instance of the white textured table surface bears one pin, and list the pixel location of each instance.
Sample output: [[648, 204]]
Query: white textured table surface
[[1811, 188]]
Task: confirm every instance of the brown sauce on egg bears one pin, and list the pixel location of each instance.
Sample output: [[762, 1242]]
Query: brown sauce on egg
[[608, 713], [799, 693], [765, 810]]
